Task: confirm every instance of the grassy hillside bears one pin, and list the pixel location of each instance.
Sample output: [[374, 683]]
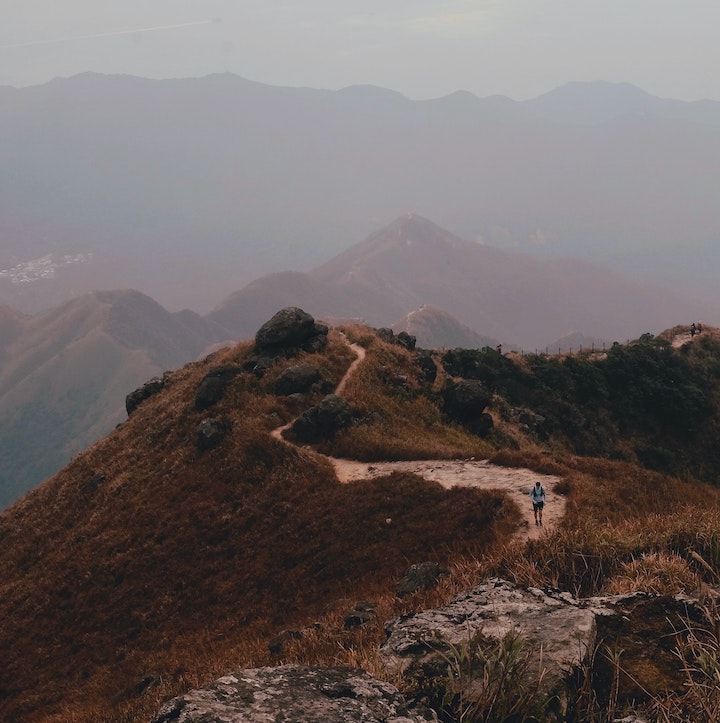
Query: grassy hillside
[[148, 566]]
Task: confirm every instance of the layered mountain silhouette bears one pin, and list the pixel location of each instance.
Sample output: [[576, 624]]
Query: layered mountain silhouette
[[510, 297], [188, 189]]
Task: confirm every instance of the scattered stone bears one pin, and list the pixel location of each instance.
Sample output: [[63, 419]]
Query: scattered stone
[[297, 379], [293, 693], [214, 384], [421, 576], [362, 613], [136, 398], [323, 420], [290, 331], [211, 432]]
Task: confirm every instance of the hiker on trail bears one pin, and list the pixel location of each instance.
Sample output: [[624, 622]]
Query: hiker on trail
[[537, 495], [699, 327], [693, 328]]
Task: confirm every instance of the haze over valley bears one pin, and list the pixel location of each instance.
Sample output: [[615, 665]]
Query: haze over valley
[[188, 189]]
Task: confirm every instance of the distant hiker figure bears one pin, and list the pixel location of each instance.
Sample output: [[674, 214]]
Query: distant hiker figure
[[699, 327], [693, 329], [537, 495], [498, 348]]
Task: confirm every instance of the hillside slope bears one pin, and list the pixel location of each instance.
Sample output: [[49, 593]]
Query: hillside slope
[[147, 547], [64, 376]]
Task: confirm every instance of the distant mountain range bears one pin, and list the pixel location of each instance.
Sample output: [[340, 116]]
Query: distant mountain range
[[188, 189], [64, 374]]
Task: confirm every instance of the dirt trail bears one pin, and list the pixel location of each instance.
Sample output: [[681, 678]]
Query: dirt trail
[[516, 482]]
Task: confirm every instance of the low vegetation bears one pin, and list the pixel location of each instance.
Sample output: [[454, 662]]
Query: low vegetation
[[147, 567]]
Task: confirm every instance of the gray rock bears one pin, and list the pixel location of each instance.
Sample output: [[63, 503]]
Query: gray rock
[[211, 432], [406, 340], [386, 335], [559, 634], [323, 420], [214, 384], [147, 390], [296, 379], [290, 331], [294, 694]]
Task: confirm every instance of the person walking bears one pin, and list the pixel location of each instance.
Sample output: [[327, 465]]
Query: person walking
[[537, 495]]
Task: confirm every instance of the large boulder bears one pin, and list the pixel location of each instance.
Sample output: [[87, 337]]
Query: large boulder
[[323, 420], [290, 331], [624, 646], [297, 379], [558, 636], [293, 693], [214, 384]]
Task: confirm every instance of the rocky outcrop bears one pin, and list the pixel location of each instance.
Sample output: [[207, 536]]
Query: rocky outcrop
[[546, 645], [293, 693], [558, 635], [213, 386], [323, 420], [465, 401], [408, 341], [137, 397], [296, 379], [289, 332]]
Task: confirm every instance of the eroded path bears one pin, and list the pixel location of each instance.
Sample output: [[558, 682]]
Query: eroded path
[[516, 482]]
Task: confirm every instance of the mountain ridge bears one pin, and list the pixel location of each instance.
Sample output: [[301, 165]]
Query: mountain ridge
[[221, 180]]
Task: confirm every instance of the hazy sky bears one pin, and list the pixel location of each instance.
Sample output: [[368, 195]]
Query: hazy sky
[[422, 48]]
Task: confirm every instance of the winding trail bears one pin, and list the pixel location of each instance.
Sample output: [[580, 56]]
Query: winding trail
[[516, 482]]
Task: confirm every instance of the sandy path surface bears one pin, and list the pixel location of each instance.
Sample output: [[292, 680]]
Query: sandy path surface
[[516, 482]]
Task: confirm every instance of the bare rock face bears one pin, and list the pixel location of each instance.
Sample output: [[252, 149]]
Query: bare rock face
[[290, 331], [558, 635], [293, 693]]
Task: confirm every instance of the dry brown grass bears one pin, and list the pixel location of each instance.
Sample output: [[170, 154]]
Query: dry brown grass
[[401, 419], [180, 564]]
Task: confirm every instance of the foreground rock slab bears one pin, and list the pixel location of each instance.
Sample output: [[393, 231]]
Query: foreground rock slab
[[558, 634], [293, 693]]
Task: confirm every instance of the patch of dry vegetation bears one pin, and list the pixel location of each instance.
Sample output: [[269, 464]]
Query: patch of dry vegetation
[[401, 416], [147, 567]]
